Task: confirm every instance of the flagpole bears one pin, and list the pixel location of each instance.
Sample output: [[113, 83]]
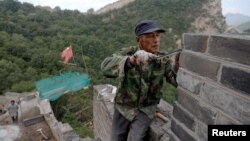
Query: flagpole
[[72, 55], [84, 62]]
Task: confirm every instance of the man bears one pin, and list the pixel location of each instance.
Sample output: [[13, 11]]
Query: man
[[13, 110], [141, 74]]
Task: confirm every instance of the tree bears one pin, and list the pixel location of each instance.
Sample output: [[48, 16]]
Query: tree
[[90, 11], [10, 73], [11, 5]]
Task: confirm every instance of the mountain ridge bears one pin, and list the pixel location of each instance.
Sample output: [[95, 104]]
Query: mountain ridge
[[115, 5], [244, 26], [235, 19]]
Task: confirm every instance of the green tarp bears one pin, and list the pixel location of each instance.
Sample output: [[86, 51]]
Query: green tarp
[[54, 87]]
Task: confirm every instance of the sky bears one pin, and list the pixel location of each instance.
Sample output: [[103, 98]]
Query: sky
[[236, 6], [228, 6], [81, 5]]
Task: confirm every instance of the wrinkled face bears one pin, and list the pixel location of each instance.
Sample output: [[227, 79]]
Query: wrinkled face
[[149, 42]]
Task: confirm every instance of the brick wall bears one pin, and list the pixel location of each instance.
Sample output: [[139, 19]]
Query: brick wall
[[214, 85], [103, 110], [61, 131]]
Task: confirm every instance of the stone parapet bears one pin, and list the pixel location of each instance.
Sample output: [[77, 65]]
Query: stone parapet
[[213, 85], [60, 131]]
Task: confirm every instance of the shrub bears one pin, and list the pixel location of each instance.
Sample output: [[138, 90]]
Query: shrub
[[23, 86]]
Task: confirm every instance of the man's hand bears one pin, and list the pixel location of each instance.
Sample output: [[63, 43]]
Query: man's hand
[[141, 57]]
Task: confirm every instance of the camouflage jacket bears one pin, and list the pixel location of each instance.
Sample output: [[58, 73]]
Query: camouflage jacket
[[140, 86]]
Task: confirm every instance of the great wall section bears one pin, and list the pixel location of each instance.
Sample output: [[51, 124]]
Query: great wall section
[[213, 81], [214, 88]]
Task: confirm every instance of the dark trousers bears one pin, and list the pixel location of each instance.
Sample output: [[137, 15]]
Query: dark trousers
[[125, 130], [14, 118]]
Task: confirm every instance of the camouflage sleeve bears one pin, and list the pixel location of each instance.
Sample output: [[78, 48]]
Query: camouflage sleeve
[[170, 74], [114, 66]]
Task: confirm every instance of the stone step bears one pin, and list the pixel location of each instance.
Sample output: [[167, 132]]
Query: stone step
[[33, 120]]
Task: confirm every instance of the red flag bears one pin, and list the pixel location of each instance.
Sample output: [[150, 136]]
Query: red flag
[[67, 54]]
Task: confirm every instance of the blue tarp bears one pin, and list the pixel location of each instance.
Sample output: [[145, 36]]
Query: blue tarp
[[54, 87]]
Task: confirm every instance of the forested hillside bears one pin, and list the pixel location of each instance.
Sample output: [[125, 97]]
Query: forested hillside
[[32, 38]]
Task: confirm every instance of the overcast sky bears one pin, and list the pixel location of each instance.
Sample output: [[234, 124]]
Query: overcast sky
[[228, 6], [81, 5], [236, 6]]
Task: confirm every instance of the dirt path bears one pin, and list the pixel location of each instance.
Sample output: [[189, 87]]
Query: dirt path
[[30, 133]]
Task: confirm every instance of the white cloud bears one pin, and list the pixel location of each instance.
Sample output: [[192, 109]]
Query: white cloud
[[81, 5]]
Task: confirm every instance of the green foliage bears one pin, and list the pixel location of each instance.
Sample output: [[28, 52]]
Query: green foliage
[[10, 74], [84, 131], [168, 93], [76, 109], [33, 37], [23, 86]]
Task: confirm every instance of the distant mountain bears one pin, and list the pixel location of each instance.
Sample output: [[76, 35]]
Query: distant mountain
[[115, 5], [244, 26], [236, 19]]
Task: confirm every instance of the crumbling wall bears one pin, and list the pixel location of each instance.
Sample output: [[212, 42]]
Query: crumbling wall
[[103, 110], [61, 131], [213, 86]]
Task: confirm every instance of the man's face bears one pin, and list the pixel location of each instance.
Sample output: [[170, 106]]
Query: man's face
[[149, 42]]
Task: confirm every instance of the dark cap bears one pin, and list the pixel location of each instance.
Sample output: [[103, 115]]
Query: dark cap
[[147, 26]]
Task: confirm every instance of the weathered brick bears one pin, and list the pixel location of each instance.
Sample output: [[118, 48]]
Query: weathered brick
[[188, 81], [102, 115], [231, 103], [201, 130], [184, 117], [235, 49], [165, 108], [33, 120], [200, 65], [195, 42], [181, 132], [236, 79], [155, 132], [165, 137], [29, 97], [224, 119], [195, 107], [173, 137], [166, 126]]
